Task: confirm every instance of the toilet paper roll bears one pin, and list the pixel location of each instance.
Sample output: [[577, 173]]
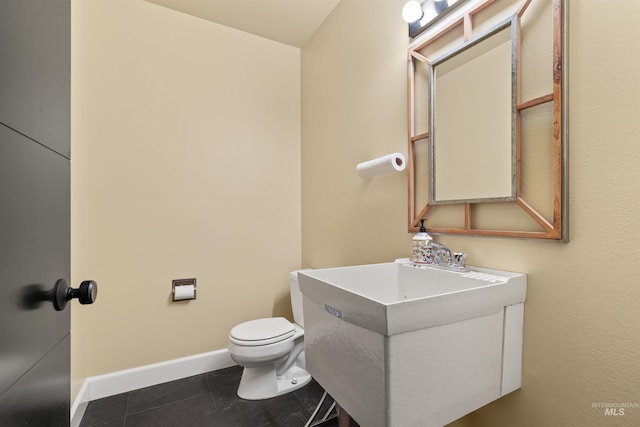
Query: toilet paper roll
[[184, 292], [382, 165]]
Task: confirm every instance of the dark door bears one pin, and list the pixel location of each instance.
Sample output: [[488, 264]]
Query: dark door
[[34, 210]]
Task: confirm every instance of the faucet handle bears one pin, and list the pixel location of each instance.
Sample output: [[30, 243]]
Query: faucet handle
[[460, 258]]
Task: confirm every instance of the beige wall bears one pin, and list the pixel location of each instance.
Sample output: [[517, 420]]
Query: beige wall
[[354, 109], [582, 323], [186, 163]]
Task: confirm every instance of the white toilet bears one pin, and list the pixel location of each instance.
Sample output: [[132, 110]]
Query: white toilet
[[271, 351]]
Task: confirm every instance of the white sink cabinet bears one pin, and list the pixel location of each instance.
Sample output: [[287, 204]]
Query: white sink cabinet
[[399, 345]]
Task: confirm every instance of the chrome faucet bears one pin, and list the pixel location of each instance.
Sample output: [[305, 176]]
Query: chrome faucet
[[441, 257]]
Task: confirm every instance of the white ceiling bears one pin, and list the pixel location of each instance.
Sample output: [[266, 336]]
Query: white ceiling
[[291, 22]]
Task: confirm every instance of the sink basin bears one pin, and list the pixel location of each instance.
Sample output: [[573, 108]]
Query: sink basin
[[392, 298], [398, 344]]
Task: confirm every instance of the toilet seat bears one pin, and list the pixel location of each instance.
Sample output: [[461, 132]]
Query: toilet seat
[[261, 332]]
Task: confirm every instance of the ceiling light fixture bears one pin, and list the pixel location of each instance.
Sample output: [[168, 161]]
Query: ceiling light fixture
[[420, 16], [412, 12]]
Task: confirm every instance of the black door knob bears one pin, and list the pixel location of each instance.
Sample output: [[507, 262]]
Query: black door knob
[[86, 293]]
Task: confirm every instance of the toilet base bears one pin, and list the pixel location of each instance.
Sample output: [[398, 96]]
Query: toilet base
[[262, 382]]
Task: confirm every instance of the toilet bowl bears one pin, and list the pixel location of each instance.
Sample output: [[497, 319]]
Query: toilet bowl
[[271, 350]]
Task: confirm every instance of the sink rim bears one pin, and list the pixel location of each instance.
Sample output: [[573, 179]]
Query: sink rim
[[484, 278]]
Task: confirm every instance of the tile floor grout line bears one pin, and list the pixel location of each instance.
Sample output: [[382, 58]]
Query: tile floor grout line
[[169, 403]]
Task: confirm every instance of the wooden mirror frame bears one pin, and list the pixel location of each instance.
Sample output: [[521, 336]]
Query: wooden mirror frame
[[553, 229]]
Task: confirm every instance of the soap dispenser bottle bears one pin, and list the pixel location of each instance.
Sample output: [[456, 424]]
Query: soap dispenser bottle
[[422, 246]]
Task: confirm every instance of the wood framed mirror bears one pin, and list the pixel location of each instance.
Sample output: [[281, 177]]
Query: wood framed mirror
[[458, 128]]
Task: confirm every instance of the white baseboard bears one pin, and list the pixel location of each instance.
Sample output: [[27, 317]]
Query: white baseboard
[[114, 383], [80, 405]]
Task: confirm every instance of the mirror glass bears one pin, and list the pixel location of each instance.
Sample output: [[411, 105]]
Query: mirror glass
[[473, 147]]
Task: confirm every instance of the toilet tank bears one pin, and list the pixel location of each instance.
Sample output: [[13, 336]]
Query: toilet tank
[[296, 297]]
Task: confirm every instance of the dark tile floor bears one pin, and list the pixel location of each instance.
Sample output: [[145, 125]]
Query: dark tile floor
[[203, 400]]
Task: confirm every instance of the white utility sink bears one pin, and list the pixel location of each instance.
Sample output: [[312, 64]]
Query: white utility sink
[[403, 345]]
